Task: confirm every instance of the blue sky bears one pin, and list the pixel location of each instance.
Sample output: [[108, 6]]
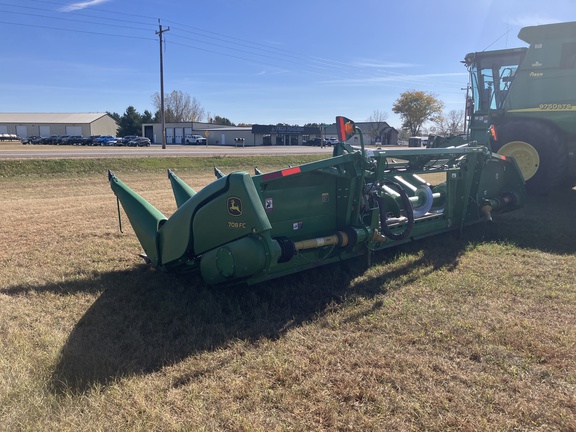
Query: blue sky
[[252, 61]]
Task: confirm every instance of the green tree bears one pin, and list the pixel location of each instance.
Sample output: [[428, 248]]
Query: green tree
[[416, 108], [148, 117], [130, 123], [114, 115], [221, 121]]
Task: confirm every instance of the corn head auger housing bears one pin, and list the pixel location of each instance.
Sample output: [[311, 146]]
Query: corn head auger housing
[[251, 228]]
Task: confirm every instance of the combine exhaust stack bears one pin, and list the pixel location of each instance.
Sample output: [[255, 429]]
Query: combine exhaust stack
[[244, 228]]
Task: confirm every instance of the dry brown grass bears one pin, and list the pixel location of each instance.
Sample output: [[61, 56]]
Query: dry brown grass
[[447, 333]]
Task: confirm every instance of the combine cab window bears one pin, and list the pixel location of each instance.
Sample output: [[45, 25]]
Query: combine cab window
[[491, 77], [568, 59]]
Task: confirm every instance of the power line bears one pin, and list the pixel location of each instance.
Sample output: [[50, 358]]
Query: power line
[[320, 66], [255, 45], [76, 31], [94, 9], [54, 13], [314, 62], [76, 20], [214, 35]]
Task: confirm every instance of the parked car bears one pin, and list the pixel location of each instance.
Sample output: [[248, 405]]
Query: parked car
[[86, 141], [139, 142], [127, 139], [30, 139], [106, 140], [330, 141], [314, 142], [62, 140], [10, 137], [92, 140], [195, 139], [49, 140], [74, 140]]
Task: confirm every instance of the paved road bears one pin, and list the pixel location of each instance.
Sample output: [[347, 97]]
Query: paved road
[[19, 151]]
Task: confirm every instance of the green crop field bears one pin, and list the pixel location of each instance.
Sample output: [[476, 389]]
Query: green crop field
[[472, 332]]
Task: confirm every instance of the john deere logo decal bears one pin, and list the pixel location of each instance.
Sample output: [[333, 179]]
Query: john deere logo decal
[[234, 206]]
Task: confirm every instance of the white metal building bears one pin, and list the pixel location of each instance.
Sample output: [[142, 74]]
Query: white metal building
[[46, 124], [257, 135]]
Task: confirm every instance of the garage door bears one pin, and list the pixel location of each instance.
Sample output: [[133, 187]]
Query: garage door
[[178, 135], [22, 131], [73, 130], [45, 131], [169, 135]]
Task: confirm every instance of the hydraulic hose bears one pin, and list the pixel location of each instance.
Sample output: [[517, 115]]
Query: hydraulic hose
[[384, 213]]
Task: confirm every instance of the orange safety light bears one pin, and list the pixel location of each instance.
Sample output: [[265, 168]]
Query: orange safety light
[[345, 128], [493, 133], [349, 128]]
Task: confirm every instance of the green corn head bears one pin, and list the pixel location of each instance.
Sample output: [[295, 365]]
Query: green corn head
[[246, 228]]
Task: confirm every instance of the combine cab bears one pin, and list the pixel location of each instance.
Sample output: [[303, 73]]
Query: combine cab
[[246, 228], [526, 97]]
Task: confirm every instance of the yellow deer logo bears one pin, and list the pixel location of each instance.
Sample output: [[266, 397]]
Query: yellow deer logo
[[234, 206]]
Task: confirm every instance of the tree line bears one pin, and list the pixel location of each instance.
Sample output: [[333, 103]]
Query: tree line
[[416, 109], [178, 107]]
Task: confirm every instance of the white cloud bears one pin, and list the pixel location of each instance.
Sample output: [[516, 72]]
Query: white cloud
[[81, 5], [373, 64], [397, 78]]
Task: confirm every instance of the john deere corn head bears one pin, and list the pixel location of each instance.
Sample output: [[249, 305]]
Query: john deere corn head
[[250, 228]]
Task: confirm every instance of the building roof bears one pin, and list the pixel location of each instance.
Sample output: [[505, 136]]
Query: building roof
[[227, 129], [50, 117]]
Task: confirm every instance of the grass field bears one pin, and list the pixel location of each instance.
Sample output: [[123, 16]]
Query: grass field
[[472, 333]]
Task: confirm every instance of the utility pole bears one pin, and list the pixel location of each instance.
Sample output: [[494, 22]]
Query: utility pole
[[159, 33]]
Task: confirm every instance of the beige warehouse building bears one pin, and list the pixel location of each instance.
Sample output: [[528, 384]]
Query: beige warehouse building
[[46, 124]]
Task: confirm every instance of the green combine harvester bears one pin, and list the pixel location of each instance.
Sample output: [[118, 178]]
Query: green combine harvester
[[523, 104], [246, 228]]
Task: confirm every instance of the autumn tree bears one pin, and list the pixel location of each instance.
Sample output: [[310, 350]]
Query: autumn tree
[[179, 107], [416, 108]]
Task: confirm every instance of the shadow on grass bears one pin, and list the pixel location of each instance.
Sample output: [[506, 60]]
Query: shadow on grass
[[546, 223], [144, 320]]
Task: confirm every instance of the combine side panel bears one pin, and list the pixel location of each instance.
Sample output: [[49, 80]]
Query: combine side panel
[[301, 206], [223, 211], [235, 213]]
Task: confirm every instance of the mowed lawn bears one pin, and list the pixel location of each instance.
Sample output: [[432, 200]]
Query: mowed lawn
[[468, 333]]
